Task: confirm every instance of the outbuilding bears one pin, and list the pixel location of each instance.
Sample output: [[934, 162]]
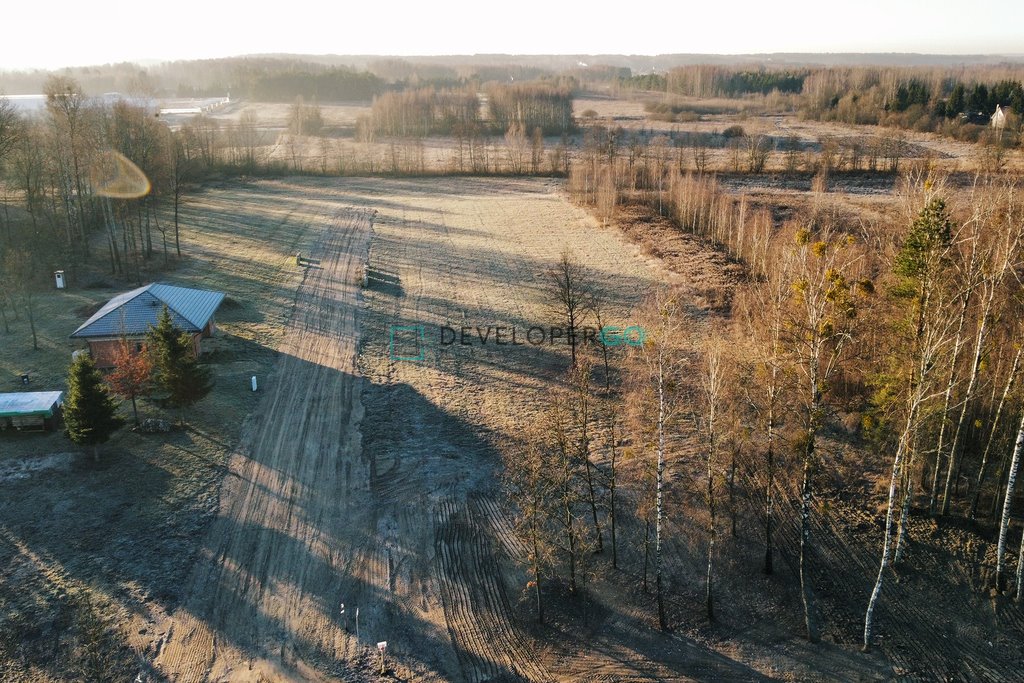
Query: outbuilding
[[34, 411], [130, 315]]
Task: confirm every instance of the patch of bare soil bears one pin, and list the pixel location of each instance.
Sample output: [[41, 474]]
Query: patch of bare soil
[[708, 275], [23, 468]]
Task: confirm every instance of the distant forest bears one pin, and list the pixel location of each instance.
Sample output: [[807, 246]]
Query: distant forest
[[950, 100], [273, 79]]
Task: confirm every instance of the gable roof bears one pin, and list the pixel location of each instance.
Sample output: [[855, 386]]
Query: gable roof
[[134, 312]]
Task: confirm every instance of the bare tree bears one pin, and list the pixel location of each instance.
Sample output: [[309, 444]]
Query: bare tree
[[763, 321], [66, 105], [759, 148], [11, 129], [582, 412], [516, 146], [1004, 521], [529, 484], [572, 300], [660, 386], [16, 277], [712, 395]]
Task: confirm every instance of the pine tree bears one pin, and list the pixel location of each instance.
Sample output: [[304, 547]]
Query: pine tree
[[90, 414], [176, 371]]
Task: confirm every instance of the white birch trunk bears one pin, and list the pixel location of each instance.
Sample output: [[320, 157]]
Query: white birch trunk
[[1004, 522], [992, 434], [951, 465], [662, 620], [887, 544]]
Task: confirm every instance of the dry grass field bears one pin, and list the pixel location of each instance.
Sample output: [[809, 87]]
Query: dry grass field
[[710, 117], [225, 551]]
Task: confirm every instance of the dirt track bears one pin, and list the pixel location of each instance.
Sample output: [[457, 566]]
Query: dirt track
[[372, 481], [263, 599], [406, 525]]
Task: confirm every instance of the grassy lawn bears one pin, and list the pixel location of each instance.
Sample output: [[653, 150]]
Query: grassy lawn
[[85, 543]]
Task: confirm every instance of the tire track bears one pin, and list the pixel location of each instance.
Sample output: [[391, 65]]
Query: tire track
[[261, 600]]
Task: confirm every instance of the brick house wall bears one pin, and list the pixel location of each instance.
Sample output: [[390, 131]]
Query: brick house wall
[[104, 351]]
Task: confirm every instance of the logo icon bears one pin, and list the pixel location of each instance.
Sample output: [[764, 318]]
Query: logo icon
[[406, 342]]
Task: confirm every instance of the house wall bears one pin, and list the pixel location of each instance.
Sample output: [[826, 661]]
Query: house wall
[[104, 351]]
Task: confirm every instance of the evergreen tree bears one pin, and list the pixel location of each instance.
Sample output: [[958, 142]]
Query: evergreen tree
[[176, 371], [90, 414]]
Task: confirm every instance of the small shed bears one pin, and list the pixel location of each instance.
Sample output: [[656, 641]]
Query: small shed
[[34, 411]]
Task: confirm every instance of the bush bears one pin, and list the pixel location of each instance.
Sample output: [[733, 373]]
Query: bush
[[733, 132]]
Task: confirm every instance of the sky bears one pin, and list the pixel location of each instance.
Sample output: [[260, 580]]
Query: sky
[[51, 34]]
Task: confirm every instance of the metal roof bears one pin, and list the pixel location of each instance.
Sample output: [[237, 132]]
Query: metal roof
[[30, 403], [134, 312]]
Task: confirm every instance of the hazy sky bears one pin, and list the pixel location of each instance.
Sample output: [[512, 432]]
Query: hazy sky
[[40, 33]]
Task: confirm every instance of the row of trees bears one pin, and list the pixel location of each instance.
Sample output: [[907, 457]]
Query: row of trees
[[898, 339], [431, 111], [425, 111], [50, 165], [702, 80], [165, 369], [927, 99]]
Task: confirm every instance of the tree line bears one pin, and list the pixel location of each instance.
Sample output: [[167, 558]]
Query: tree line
[[49, 166], [432, 111], [898, 338], [952, 101]]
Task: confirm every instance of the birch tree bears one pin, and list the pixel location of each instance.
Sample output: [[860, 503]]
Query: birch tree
[[660, 368], [999, 262], [922, 387], [1011, 378], [762, 321], [712, 390], [818, 334], [1004, 520]]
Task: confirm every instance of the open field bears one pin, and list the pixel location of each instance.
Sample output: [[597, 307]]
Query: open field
[[224, 552], [711, 117], [405, 521], [338, 150]]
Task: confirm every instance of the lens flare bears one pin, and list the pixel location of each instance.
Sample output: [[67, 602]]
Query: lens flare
[[113, 175]]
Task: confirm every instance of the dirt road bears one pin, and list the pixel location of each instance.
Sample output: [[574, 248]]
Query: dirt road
[[373, 481], [263, 600]]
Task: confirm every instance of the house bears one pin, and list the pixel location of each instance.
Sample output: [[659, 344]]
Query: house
[[130, 315], [1001, 117], [30, 410]]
